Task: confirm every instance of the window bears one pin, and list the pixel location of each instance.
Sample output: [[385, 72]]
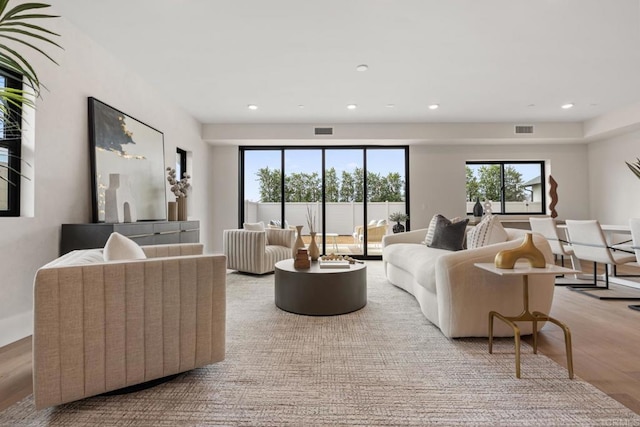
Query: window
[[181, 163], [345, 187], [512, 187], [10, 143]]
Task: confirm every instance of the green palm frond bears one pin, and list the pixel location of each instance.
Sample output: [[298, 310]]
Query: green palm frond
[[635, 167], [15, 30]]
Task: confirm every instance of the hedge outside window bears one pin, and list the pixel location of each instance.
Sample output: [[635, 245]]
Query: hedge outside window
[[512, 187]]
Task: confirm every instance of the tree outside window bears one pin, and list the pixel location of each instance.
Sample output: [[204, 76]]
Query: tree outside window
[[515, 187]]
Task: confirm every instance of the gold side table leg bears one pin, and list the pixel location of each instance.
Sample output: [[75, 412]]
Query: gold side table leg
[[516, 337], [567, 339]]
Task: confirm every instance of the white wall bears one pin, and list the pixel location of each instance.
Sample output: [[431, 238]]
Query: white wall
[[61, 171], [613, 189], [438, 176]]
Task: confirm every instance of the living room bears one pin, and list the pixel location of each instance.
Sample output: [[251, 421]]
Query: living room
[[585, 148]]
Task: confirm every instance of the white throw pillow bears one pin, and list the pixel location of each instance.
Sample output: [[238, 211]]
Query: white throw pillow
[[256, 226], [119, 247], [431, 230], [381, 222], [488, 232]]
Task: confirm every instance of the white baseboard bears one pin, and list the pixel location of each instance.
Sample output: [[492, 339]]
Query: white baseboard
[[15, 328]]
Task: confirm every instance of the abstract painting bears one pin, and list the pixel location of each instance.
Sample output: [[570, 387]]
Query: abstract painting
[[123, 145]]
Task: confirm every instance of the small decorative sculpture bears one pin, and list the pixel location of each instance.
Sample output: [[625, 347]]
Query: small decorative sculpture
[[508, 257], [119, 205], [477, 208], [487, 207], [553, 195], [302, 259]]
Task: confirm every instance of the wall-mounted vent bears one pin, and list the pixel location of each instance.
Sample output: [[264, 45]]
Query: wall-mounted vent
[[524, 129], [323, 131]]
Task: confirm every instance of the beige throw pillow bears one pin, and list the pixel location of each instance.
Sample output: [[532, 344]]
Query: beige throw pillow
[[256, 226], [488, 232], [119, 247]]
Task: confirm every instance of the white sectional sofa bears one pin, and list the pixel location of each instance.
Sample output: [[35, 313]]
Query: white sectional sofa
[[456, 296]]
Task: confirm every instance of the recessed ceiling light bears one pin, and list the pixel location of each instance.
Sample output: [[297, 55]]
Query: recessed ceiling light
[[362, 67], [567, 106], [300, 106], [434, 106], [252, 107], [390, 105], [531, 105], [352, 106]]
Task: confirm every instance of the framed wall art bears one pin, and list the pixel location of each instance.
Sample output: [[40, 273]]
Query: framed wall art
[[120, 144]]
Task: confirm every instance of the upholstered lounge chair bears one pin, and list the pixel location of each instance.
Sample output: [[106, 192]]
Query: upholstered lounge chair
[[105, 325], [257, 252]]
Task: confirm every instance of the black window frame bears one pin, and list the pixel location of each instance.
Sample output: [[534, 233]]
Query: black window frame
[[11, 140], [323, 148], [183, 161], [502, 164]]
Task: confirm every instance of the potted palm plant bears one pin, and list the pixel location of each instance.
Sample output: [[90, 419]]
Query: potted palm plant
[[398, 217], [635, 167], [18, 30]]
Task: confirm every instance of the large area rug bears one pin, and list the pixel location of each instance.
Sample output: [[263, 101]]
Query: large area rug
[[383, 365]]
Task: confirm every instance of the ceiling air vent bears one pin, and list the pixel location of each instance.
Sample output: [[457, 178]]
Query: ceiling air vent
[[524, 130], [323, 131]]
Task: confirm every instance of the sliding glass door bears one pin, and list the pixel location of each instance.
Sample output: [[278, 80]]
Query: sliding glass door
[[345, 193]]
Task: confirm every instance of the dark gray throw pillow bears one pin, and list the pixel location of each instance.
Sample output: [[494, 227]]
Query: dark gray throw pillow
[[449, 235]]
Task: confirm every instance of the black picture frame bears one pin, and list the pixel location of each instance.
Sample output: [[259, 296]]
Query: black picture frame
[[122, 144]]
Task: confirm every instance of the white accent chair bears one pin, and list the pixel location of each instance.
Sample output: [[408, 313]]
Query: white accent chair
[[101, 325], [634, 224], [547, 227], [257, 252], [589, 244]]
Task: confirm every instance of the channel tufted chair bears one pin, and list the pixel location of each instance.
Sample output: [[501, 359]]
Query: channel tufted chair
[[258, 251]]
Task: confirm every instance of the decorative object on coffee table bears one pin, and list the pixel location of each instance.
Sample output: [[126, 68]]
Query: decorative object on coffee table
[[302, 259], [507, 258], [119, 204], [299, 243], [314, 251], [398, 217]]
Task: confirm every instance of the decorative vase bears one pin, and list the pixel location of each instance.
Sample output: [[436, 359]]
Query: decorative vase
[[314, 252], [182, 208], [507, 258], [398, 228], [299, 243], [172, 211], [477, 208]]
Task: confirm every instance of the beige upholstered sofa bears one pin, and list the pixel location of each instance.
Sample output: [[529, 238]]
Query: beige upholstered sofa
[[101, 326], [257, 251], [456, 296]]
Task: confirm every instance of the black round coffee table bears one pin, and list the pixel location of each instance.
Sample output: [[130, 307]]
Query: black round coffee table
[[318, 291]]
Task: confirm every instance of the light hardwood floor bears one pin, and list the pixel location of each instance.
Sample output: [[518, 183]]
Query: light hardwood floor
[[606, 349]]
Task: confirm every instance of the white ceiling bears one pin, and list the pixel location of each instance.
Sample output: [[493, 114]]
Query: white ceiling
[[482, 61]]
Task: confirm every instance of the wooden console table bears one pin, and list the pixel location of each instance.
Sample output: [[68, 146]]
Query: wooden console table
[[525, 270], [95, 235]]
